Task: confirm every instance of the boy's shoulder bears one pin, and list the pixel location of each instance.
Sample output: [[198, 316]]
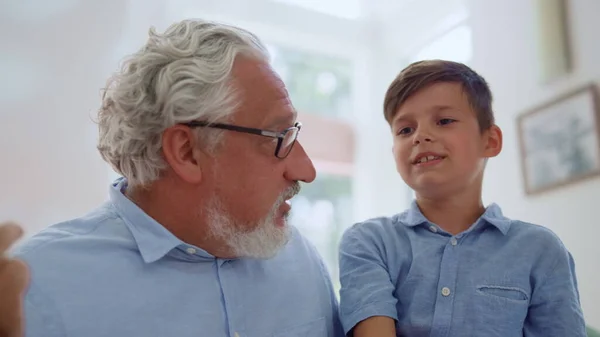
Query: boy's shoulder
[[379, 231], [526, 237], [529, 235], [533, 236], [375, 225]]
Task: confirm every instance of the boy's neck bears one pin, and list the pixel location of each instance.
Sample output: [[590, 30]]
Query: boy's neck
[[454, 214]]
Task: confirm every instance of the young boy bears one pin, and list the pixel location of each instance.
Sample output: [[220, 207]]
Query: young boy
[[448, 266]]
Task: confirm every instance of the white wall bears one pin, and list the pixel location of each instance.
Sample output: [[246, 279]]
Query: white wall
[[503, 32], [55, 58]]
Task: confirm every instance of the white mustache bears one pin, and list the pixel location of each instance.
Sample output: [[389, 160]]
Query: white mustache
[[286, 195]]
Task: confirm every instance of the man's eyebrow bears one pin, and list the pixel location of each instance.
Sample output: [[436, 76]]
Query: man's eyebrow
[[282, 122]]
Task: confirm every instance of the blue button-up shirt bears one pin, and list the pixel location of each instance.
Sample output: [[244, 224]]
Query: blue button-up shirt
[[118, 273], [500, 278]]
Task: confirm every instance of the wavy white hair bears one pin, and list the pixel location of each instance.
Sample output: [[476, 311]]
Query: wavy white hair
[[181, 75]]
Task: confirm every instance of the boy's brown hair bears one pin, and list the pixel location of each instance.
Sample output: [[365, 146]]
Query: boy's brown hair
[[421, 74]]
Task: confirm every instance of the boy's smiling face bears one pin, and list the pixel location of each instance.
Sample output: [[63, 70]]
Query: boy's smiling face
[[439, 147]]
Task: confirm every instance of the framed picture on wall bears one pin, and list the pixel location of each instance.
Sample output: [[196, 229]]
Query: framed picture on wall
[[560, 141]]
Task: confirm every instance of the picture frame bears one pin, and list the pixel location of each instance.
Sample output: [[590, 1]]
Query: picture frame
[[559, 141]]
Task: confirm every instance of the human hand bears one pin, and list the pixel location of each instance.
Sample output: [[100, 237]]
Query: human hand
[[14, 277]]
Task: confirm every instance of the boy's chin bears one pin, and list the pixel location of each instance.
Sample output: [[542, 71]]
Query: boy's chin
[[434, 187]]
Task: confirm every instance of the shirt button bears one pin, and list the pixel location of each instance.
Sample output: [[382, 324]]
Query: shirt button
[[445, 291], [453, 241], [191, 250], [236, 335], [433, 229]]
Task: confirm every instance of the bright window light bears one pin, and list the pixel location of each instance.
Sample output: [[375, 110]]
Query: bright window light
[[348, 9], [455, 45]]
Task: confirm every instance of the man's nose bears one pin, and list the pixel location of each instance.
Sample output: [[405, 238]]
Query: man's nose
[[300, 166]]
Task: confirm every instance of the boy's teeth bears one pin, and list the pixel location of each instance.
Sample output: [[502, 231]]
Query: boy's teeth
[[428, 158]]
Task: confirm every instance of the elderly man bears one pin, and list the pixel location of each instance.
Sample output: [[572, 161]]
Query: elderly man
[[194, 240], [13, 280]]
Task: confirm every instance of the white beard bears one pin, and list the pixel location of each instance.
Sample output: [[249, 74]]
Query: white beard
[[263, 242]]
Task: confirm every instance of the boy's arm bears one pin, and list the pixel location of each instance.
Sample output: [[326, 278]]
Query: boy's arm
[[375, 326], [367, 303], [554, 308]]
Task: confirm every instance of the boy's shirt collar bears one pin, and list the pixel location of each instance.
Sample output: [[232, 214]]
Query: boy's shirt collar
[[492, 215]]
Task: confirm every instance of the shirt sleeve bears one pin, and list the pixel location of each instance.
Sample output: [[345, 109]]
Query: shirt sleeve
[[555, 308], [336, 327], [366, 287], [41, 317]]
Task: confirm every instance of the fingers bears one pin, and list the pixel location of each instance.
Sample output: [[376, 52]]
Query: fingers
[[13, 283], [13, 276], [9, 234]]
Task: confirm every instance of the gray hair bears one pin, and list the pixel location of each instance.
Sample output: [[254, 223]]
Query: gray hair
[[179, 76]]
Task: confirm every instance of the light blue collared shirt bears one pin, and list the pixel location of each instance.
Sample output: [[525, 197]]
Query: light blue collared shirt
[[500, 278], [118, 273]]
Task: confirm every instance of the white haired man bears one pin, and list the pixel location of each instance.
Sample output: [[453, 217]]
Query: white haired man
[[194, 239]]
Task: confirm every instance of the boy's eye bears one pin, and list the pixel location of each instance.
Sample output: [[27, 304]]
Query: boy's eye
[[404, 131], [445, 121]]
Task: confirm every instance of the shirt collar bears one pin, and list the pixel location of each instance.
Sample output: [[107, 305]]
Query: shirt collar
[[153, 240], [492, 215]]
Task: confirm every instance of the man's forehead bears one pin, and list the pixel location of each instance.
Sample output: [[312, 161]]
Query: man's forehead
[[264, 91]]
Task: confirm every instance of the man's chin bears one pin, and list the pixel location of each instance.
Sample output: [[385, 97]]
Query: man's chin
[[264, 242], [281, 222]]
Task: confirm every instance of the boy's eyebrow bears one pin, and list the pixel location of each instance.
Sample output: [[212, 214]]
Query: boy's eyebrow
[[435, 108], [399, 118], [442, 107]]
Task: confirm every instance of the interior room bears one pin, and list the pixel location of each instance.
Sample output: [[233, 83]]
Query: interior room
[[337, 58]]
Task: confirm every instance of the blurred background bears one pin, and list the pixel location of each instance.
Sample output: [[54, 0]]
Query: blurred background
[[337, 58]]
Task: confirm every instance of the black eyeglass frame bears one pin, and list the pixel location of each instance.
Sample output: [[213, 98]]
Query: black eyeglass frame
[[280, 136]]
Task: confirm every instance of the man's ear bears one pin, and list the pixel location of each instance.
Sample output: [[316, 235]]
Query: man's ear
[[493, 141], [180, 150]]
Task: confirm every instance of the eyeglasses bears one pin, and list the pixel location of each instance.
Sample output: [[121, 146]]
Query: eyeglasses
[[285, 139]]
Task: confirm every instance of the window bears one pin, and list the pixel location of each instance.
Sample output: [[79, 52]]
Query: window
[[454, 45], [322, 211], [317, 84], [320, 89]]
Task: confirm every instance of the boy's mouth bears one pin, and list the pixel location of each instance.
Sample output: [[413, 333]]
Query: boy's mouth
[[425, 158]]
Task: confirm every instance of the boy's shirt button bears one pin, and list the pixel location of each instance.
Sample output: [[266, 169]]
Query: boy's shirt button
[[445, 291]]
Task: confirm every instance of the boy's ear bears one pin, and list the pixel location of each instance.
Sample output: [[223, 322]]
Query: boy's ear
[[493, 141]]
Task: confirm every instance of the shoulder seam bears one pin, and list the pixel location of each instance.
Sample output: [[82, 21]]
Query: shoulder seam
[[66, 234]]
